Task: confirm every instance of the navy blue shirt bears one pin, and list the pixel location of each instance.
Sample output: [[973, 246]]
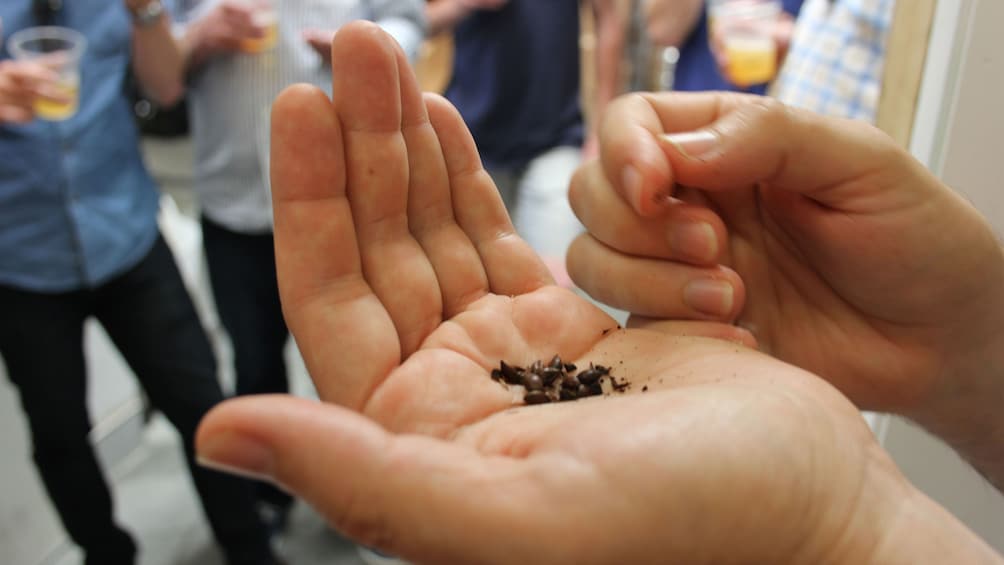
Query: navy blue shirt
[[516, 79], [697, 70], [77, 206]]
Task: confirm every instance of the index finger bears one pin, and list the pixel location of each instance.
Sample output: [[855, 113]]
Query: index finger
[[726, 141]]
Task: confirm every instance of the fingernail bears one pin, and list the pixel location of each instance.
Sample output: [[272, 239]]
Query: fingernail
[[631, 179], [237, 454], [693, 144], [695, 241], [709, 296]]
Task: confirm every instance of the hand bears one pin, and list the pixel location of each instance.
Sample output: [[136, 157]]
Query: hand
[[404, 285], [781, 32], [21, 83], [320, 41], [668, 23], [858, 264], [223, 29]]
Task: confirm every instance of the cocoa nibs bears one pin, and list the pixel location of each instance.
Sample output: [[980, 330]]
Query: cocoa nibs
[[557, 381]]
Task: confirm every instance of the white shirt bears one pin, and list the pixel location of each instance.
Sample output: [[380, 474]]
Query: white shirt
[[230, 97]]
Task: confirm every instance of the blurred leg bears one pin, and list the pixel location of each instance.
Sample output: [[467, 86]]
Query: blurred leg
[[150, 317], [246, 292], [544, 217], [41, 341], [507, 183]]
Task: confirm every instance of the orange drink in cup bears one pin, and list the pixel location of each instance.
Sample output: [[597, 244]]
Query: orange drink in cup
[[266, 19], [745, 31], [60, 49]]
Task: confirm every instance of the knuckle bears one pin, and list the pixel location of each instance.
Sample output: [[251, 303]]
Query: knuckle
[[770, 113]]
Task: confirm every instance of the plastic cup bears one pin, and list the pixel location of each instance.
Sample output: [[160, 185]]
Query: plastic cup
[[59, 49], [745, 30], [264, 17]]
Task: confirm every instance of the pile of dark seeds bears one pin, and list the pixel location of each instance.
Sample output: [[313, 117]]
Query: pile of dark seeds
[[557, 381]]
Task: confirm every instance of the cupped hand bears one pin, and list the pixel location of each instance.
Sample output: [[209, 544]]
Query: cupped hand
[[320, 41], [856, 263], [21, 84], [404, 285], [225, 28]]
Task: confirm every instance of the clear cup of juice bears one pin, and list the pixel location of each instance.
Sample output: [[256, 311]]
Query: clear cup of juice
[[59, 49], [264, 17], [744, 30]]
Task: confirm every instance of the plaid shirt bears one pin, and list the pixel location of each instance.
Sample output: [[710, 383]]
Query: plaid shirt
[[834, 65]]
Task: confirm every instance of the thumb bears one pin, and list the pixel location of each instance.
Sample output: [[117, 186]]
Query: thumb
[[838, 163], [408, 495]]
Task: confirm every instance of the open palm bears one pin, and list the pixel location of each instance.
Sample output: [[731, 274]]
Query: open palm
[[405, 285]]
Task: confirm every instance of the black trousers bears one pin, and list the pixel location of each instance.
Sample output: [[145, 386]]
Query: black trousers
[[150, 317], [243, 278]]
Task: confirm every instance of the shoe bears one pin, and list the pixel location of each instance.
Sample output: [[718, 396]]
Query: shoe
[[374, 557], [118, 549]]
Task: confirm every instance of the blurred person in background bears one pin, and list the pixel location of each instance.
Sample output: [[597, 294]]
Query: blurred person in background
[[79, 239], [516, 81], [236, 63], [684, 24]]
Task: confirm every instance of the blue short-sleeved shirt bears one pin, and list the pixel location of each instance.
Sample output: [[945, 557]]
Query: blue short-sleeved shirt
[[697, 70], [77, 205], [516, 79]]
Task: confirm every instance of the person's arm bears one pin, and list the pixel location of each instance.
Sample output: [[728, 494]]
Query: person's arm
[[219, 31], [966, 408], [669, 22], [611, 22], [157, 57], [443, 15]]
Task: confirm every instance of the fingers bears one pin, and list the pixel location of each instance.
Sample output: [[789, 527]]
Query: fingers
[[511, 266], [348, 339], [21, 83], [462, 278], [15, 114], [652, 287], [633, 161], [240, 21], [408, 495], [683, 232], [375, 95], [727, 141]]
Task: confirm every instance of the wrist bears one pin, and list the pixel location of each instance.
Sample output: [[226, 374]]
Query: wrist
[[893, 523], [963, 404], [964, 408], [921, 531], [145, 13]]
